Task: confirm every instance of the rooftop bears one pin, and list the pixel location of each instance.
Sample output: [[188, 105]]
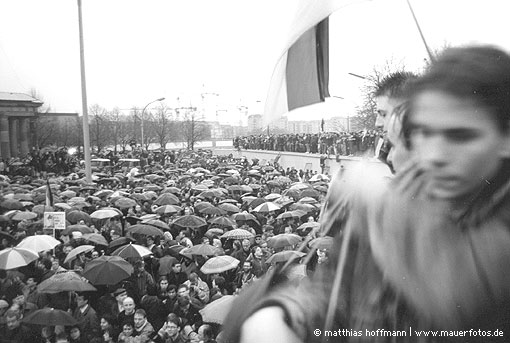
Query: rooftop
[[10, 96]]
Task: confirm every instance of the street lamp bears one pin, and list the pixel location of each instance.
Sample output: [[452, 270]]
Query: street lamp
[[143, 111]]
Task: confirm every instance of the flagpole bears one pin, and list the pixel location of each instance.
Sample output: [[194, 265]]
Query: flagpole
[[429, 52], [86, 136]]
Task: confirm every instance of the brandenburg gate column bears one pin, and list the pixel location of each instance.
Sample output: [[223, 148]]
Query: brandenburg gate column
[[5, 148], [24, 136], [13, 130]]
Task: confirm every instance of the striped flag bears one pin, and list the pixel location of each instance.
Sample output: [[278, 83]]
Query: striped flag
[[49, 195], [301, 74]]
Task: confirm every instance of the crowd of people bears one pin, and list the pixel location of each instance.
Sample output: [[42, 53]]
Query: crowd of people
[[181, 211], [360, 143]]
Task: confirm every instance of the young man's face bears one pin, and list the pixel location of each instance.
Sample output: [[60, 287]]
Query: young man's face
[[139, 320], [385, 107], [457, 142], [399, 154], [129, 305], [12, 322]]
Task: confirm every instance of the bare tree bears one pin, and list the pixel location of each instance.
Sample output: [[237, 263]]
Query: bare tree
[[367, 112], [99, 126], [194, 129], [161, 125]]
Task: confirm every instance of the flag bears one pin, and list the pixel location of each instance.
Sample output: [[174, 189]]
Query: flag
[[49, 196], [302, 75]]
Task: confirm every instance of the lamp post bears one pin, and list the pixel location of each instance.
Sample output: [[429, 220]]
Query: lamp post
[[143, 111]]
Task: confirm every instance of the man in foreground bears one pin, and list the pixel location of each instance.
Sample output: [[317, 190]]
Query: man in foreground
[[430, 250]]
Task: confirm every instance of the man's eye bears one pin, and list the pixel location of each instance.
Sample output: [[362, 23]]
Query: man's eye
[[460, 136], [381, 113]]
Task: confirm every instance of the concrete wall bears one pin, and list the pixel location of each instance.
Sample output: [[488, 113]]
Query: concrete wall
[[302, 160]]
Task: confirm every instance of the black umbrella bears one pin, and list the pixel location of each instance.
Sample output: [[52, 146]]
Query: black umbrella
[[116, 243], [50, 317]]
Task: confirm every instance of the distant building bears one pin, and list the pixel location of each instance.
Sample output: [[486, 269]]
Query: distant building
[[17, 115], [255, 124]]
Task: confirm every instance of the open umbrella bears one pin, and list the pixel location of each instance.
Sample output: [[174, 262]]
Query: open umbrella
[[132, 251], [266, 207], [78, 250], [202, 206], [68, 194], [307, 200], [124, 203], [166, 209], [216, 311], [286, 215], [222, 221], [243, 216], [214, 232], [190, 221], [283, 240], [75, 216], [11, 258], [272, 196], [175, 249], [107, 270], [144, 229], [156, 223], [229, 207], [61, 205], [65, 281], [325, 242], [167, 199], [173, 190], [284, 256], [228, 201], [39, 243], [50, 317], [25, 215], [40, 209], [105, 214], [118, 242], [202, 250], [308, 226], [219, 264], [11, 204], [95, 238], [77, 227], [237, 234], [149, 216], [319, 177], [213, 211]]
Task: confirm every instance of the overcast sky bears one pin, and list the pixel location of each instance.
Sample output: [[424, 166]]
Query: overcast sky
[[140, 50]]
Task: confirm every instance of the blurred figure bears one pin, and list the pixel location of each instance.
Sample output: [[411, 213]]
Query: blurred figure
[[431, 250]]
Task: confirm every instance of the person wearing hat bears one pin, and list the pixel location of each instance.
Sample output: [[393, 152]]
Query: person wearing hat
[[120, 294]]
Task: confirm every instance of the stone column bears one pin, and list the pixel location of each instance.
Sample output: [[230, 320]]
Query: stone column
[[5, 149], [24, 136], [13, 130]]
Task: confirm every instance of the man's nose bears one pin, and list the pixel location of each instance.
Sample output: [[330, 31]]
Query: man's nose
[[379, 122], [435, 152]]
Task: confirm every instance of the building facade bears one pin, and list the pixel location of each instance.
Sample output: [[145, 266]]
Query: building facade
[[18, 113]]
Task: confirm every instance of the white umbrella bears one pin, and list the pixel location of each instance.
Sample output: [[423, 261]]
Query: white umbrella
[[39, 243], [104, 214], [266, 207], [16, 257]]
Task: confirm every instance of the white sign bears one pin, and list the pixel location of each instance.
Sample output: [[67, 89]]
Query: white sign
[[54, 220]]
